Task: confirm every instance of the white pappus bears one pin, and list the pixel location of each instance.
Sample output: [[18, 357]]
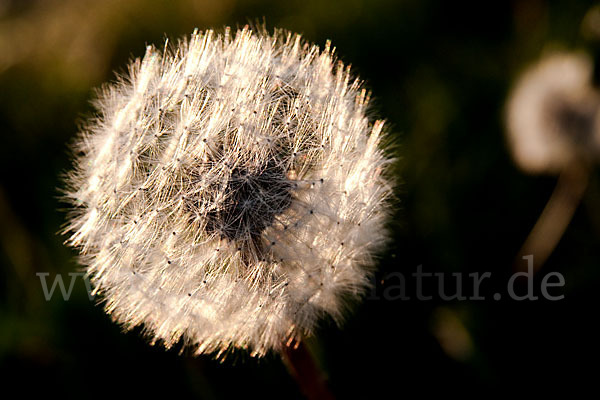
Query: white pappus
[[230, 192], [553, 114]]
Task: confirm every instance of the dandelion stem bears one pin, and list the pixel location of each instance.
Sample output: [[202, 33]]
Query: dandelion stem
[[303, 368], [556, 216]]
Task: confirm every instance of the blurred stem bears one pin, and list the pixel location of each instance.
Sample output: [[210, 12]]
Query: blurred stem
[[556, 216], [303, 368]]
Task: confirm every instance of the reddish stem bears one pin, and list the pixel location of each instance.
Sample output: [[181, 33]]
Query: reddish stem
[[301, 365]]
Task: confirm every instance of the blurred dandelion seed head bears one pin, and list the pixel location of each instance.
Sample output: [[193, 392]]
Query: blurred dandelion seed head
[[231, 191], [553, 114]]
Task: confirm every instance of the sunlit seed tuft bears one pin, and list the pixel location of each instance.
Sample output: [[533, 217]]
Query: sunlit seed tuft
[[231, 191]]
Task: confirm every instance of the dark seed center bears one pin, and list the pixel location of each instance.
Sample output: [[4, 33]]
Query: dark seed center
[[251, 201], [577, 120]]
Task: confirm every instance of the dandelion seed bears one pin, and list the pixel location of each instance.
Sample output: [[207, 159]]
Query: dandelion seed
[[203, 156], [553, 114], [553, 125]]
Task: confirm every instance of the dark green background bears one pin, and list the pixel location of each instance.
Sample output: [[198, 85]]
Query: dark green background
[[440, 72]]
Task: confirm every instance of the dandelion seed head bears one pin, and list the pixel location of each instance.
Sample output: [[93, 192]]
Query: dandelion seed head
[[553, 114], [231, 191]]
